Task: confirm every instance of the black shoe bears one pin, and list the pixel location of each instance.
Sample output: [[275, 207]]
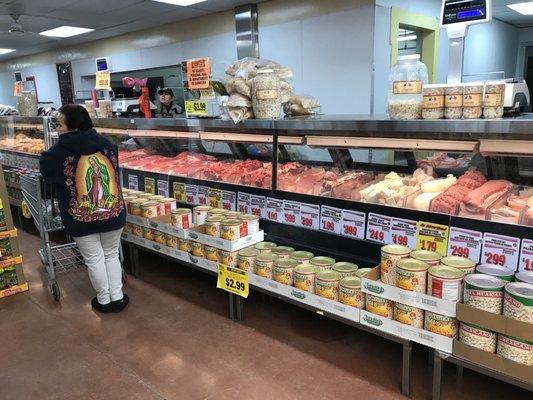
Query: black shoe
[[103, 308], [119, 305]]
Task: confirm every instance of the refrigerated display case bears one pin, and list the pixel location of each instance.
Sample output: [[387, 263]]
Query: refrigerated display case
[[21, 141]]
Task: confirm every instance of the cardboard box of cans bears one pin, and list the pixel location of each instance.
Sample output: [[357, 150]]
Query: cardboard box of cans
[[198, 234]]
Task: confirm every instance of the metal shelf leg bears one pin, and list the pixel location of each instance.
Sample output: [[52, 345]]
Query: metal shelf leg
[[407, 366], [437, 375], [236, 307], [134, 259]]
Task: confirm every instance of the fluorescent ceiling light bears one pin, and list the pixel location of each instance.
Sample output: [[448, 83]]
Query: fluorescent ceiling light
[[406, 38], [5, 51], [182, 3], [522, 8], [65, 31]]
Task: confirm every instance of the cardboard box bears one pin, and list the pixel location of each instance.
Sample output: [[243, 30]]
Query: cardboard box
[[198, 235], [372, 285], [418, 335], [493, 361], [495, 322]]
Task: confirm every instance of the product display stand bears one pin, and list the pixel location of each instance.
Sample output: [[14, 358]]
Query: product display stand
[[439, 357]]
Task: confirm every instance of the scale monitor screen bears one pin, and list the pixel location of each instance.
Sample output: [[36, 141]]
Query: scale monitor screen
[[102, 64], [461, 11]]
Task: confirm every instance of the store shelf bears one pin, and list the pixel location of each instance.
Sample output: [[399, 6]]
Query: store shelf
[[23, 287]]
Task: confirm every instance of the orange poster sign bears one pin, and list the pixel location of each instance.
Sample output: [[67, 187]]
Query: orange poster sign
[[198, 73], [18, 89]]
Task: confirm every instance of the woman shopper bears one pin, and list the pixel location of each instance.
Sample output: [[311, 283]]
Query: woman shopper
[[83, 166]]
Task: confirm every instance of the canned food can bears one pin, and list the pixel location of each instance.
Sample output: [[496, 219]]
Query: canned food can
[[128, 228], [303, 257], [361, 272], [518, 301], [304, 277], [148, 233], [409, 315], [323, 263], [350, 292], [440, 324], [284, 271], [464, 264], [264, 264], [172, 241], [184, 245], [246, 258], [484, 292], [505, 274], [137, 230], [197, 249], [283, 252], [200, 214], [250, 224], [514, 349], [181, 218], [477, 337], [233, 215], [212, 225], [230, 229], [390, 255], [156, 198], [411, 275], [379, 306], [159, 237], [445, 283], [150, 209], [211, 253], [218, 211], [166, 205], [135, 207], [524, 276], [327, 284], [265, 247], [228, 258], [346, 269], [431, 258]]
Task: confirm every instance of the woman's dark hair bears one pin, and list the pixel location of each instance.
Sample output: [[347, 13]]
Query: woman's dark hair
[[76, 117]]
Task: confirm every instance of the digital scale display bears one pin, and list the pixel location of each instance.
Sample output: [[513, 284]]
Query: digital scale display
[[457, 11]]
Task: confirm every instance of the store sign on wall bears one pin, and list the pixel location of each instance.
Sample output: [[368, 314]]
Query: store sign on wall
[[465, 243], [103, 80], [378, 228], [133, 182], [526, 256], [432, 237], [500, 250], [403, 232]]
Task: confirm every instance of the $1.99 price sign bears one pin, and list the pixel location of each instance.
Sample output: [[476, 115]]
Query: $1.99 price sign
[[233, 280], [526, 256], [432, 237]]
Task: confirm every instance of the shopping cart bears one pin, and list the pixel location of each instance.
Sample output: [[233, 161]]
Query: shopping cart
[[42, 203]]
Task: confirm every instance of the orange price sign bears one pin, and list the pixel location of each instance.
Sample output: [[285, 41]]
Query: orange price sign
[[198, 73]]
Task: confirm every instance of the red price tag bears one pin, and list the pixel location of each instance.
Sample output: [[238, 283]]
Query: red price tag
[[403, 232], [428, 245], [500, 250], [465, 243], [243, 203], [526, 255], [228, 200], [309, 216], [378, 228], [330, 219], [275, 211], [353, 224], [291, 212], [258, 206], [400, 239], [203, 195], [460, 251]]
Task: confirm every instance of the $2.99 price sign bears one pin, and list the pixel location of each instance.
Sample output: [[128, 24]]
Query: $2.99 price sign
[[500, 250], [233, 280]]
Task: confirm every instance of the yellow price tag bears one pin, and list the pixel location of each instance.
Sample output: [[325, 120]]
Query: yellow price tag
[[233, 280], [215, 198], [103, 80], [149, 185], [195, 107], [432, 237], [179, 191]]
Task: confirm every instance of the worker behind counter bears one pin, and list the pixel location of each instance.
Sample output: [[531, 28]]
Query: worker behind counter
[[165, 104]]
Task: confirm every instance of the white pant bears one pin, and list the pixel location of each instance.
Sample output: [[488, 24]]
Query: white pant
[[100, 252]]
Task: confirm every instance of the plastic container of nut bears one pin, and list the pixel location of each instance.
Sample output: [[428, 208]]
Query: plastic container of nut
[[453, 101], [493, 99], [473, 100], [433, 102]]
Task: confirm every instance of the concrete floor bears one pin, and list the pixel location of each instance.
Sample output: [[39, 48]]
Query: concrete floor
[[174, 341]]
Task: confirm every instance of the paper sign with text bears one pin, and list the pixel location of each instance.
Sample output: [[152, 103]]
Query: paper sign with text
[[243, 203], [403, 232], [465, 243], [378, 228], [331, 219], [500, 250], [526, 256], [432, 237], [274, 209], [353, 224]]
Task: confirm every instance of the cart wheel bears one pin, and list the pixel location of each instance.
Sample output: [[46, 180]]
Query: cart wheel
[[55, 291]]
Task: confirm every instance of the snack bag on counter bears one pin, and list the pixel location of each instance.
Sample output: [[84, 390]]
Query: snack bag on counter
[[301, 105]]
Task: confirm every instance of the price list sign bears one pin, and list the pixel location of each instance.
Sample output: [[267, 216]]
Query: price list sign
[[465, 243], [258, 206], [378, 228], [274, 209], [192, 194], [331, 219], [353, 224], [243, 203], [500, 250], [179, 192], [133, 182], [203, 195], [432, 237], [228, 200], [291, 212], [526, 256], [403, 232]]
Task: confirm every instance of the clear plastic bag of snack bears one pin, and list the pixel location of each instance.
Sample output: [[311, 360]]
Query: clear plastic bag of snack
[[238, 114], [238, 100]]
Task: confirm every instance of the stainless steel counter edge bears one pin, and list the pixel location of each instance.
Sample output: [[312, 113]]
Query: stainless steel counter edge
[[366, 125]]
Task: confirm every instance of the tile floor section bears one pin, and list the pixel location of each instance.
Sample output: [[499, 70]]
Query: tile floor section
[[175, 341]]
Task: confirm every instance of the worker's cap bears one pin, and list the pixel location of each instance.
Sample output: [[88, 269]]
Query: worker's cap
[[167, 91]]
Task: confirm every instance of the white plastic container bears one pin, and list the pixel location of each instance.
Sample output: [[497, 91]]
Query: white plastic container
[[406, 79]]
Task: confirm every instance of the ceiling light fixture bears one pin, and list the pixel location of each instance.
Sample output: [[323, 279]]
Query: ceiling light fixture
[[522, 8], [5, 51], [65, 31], [182, 3]]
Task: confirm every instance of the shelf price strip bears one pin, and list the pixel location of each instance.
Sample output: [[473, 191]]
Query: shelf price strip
[[403, 232], [243, 202], [500, 250], [432, 237], [233, 280], [465, 243], [331, 219], [526, 256], [274, 209], [378, 228]]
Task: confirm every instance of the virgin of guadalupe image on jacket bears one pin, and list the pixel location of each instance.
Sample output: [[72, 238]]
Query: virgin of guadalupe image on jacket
[[96, 185]]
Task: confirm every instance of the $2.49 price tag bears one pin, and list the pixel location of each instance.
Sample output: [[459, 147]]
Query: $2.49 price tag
[[233, 280], [378, 228]]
